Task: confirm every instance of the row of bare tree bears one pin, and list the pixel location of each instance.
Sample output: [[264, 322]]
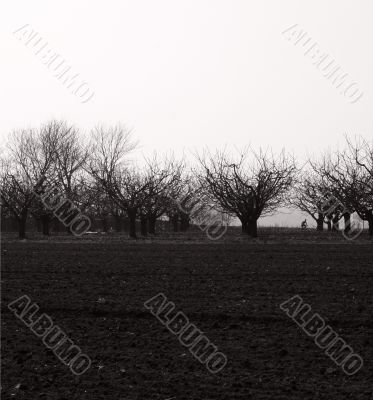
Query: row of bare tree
[[345, 175], [98, 176]]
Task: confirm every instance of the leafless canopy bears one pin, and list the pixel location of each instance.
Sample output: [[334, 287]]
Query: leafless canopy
[[249, 186]]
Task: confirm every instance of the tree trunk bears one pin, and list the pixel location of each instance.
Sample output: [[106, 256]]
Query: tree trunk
[[152, 221], [244, 227], [175, 220], [45, 219], [118, 223], [320, 222], [347, 220], [335, 225], [144, 226], [329, 224], [253, 228], [104, 224], [39, 226], [132, 221], [184, 223], [22, 225], [56, 225], [370, 225]]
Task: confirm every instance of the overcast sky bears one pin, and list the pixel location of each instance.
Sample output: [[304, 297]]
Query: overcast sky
[[189, 74]]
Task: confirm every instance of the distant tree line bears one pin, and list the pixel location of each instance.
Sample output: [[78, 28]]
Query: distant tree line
[[97, 175], [345, 175]]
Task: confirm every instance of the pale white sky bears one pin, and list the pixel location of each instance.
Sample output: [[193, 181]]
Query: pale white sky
[[185, 74]]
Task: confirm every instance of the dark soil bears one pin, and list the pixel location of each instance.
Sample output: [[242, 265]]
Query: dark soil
[[231, 291]]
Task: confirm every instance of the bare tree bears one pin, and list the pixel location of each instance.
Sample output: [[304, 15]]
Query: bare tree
[[362, 151], [71, 157], [106, 163], [118, 214], [335, 193], [31, 158], [108, 148], [99, 204], [307, 197], [164, 178], [352, 172], [247, 187], [130, 189], [17, 193], [190, 204]]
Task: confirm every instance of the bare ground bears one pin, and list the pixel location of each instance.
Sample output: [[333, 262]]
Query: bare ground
[[231, 290]]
